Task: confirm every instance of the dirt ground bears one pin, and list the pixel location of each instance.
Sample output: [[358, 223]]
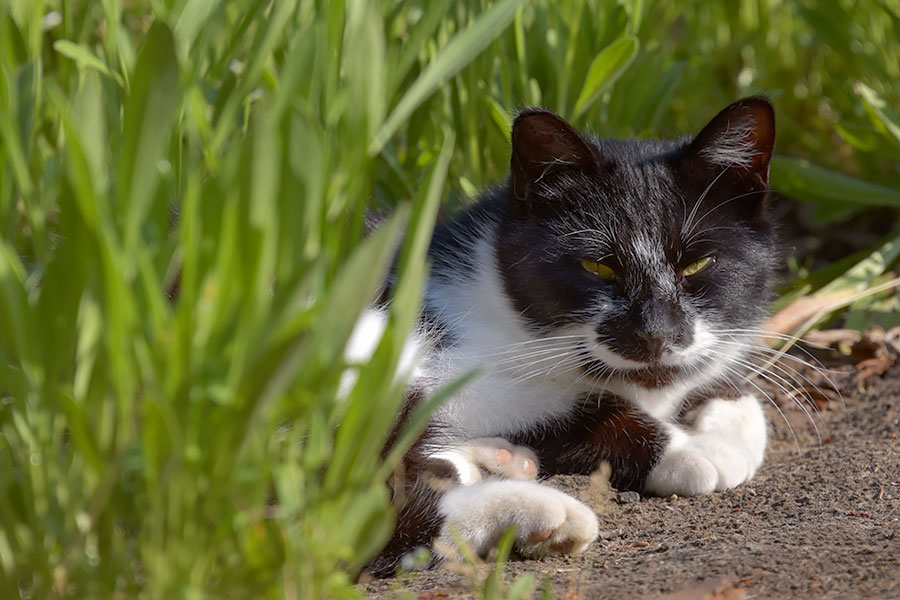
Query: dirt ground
[[819, 520]]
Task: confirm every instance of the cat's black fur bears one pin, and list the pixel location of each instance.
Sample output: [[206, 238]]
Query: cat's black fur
[[571, 197], [638, 188]]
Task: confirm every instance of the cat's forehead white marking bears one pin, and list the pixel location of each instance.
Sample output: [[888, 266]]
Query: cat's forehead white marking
[[645, 248], [649, 253]]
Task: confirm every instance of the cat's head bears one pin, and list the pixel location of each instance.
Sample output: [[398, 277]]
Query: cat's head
[[660, 253]]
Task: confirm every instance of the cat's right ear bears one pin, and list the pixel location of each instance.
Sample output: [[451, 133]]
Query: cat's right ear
[[544, 144], [741, 139]]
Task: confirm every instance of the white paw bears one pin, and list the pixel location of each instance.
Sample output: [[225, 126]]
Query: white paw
[[684, 472], [724, 448], [548, 521], [569, 528], [499, 457], [492, 456]]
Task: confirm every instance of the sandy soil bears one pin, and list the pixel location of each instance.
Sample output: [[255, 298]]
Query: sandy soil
[[820, 520]]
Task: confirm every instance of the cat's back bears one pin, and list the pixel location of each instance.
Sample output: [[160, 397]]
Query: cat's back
[[463, 291], [454, 250]]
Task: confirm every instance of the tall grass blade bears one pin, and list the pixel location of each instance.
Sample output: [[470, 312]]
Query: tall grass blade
[[86, 59], [148, 116], [459, 52], [803, 180], [861, 275], [605, 69], [881, 112]]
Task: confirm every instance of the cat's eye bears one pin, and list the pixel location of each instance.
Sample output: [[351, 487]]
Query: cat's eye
[[698, 266], [598, 269]]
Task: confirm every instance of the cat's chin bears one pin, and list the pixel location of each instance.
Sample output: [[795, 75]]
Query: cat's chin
[[652, 376], [648, 375]]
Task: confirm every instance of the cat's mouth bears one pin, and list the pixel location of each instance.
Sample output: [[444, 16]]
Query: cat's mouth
[[654, 375], [651, 375], [647, 372]]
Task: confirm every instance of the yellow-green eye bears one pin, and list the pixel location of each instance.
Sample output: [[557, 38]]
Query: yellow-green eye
[[598, 269], [698, 266]]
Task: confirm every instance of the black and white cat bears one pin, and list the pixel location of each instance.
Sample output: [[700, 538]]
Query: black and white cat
[[608, 294]]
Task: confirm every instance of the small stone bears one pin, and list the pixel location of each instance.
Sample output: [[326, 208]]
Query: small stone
[[609, 534], [628, 497]]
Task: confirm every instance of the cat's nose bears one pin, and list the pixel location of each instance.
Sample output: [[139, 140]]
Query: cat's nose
[[658, 326], [655, 346]]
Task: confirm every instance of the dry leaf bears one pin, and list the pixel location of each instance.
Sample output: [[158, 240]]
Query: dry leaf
[[791, 318], [833, 338], [707, 591]]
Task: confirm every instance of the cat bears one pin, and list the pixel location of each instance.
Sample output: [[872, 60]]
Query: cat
[[608, 295]]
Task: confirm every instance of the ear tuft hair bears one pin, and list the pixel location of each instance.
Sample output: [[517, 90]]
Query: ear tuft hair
[[741, 137]]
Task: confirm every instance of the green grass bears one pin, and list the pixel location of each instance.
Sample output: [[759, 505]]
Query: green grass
[[141, 439]]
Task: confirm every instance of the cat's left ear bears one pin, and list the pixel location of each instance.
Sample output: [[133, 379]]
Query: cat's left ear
[[740, 138], [544, 144]]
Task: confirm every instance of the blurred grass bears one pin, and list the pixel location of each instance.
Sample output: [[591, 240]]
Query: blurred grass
[[233, 146]]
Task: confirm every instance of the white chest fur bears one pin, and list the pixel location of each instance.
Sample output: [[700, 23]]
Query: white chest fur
[[523, 382]]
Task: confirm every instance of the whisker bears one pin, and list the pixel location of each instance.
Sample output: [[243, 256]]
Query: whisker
[[508, 348], [572, 358], [721, 204], [528, 365], [688, 226], [777, 355], [570, 365], [524, 355], [732, 369], [777, 381], [801, 381]]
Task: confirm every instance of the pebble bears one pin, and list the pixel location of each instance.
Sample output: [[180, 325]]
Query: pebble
[[609, 534], [627, 497]]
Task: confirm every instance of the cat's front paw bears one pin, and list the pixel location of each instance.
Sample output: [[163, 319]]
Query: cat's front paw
[[499, 457], [706, 464], [560, 524], [684, 472], [724, 449], [490, 456], [548, 520]]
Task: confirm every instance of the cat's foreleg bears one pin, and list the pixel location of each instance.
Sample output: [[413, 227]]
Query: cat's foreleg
[[447, 498], [722, 447], [480, 510]]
